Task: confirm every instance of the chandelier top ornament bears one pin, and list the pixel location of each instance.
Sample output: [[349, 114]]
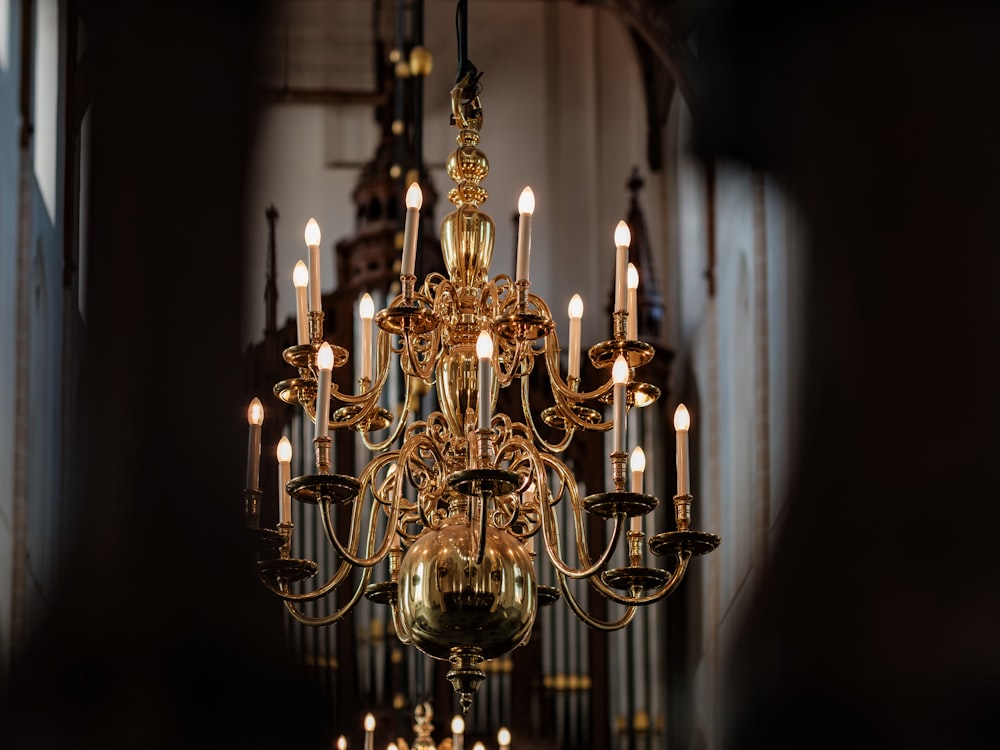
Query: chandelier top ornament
[[456, 501]]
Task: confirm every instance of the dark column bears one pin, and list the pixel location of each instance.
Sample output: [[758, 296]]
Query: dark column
[[159, 635]]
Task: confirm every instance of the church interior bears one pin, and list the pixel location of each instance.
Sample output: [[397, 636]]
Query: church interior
[[473, 374]]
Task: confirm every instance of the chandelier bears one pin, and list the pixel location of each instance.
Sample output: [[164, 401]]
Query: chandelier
[[468, 495]]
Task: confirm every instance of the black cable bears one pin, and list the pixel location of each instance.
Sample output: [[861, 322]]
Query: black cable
[[465, 66]]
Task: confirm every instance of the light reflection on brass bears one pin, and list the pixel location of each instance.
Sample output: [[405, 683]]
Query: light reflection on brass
[[448, 600]]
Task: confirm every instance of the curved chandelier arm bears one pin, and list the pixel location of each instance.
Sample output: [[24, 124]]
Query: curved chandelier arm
[[590, 620], [401, 419], [683, 558], [337, 616], [561, 389], [530, 420], [369, 397], [382, 550], [550, 531], [421, 367], [335, 581], [399, 622]]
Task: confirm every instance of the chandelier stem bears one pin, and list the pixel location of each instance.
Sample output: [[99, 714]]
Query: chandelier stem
[[252, 500], [682, 511], [522, 287], [618, 462], [407, 283], [315, 327], [484, 447], [322, 448], [635, 540], [621, 325]]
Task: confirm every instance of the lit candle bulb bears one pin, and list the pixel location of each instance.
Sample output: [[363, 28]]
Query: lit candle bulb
[[682, 424], [525, 208], [300, 277], [341, 743], [622, 239], [619, 373], [503, 738], [369, 732], [484, 350], [479, 746], [638, 465], [457, 728], [255, 417], [284, 476], [366, 308], [324, 362], [414, 199], [392, 746], [633, 303], [312, 235], [575, 314]]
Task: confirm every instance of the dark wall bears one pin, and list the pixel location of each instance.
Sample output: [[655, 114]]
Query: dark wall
[[158, 635], [876, 626]]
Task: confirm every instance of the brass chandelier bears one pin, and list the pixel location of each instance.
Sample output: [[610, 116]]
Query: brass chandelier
[[466, 492]]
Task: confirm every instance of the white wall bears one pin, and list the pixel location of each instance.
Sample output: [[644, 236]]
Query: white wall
[[564, 113]]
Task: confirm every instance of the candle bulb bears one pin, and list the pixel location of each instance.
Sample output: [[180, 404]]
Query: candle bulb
[[575, 314], [525, 208], [503, 738], [341, 743], [255, 417], [484, 350], [479, 746], [414, 199], [622, 239], [638, 465], [619, 374], [284, 453], [457, 728], [682, 424], [369, 732], [312, 242], [300, 277], [324, 362], [633, 303], [366, 308]]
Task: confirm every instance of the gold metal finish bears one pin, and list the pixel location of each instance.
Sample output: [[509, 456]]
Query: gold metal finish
[[451, 506]]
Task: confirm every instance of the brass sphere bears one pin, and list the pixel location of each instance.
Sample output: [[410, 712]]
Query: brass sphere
[[452, 602], [467, 164]]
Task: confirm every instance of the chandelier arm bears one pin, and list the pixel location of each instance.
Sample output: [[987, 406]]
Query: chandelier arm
[[399, 622], [589, 620], [404, 413], [551, 536], [479, 537], [369, 398], [560, 387], [424, 369], [530, 421], [339, 576], [582, 548], [408, 454], [340, 614], [383, 548], [683, 558], [504, 378]]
